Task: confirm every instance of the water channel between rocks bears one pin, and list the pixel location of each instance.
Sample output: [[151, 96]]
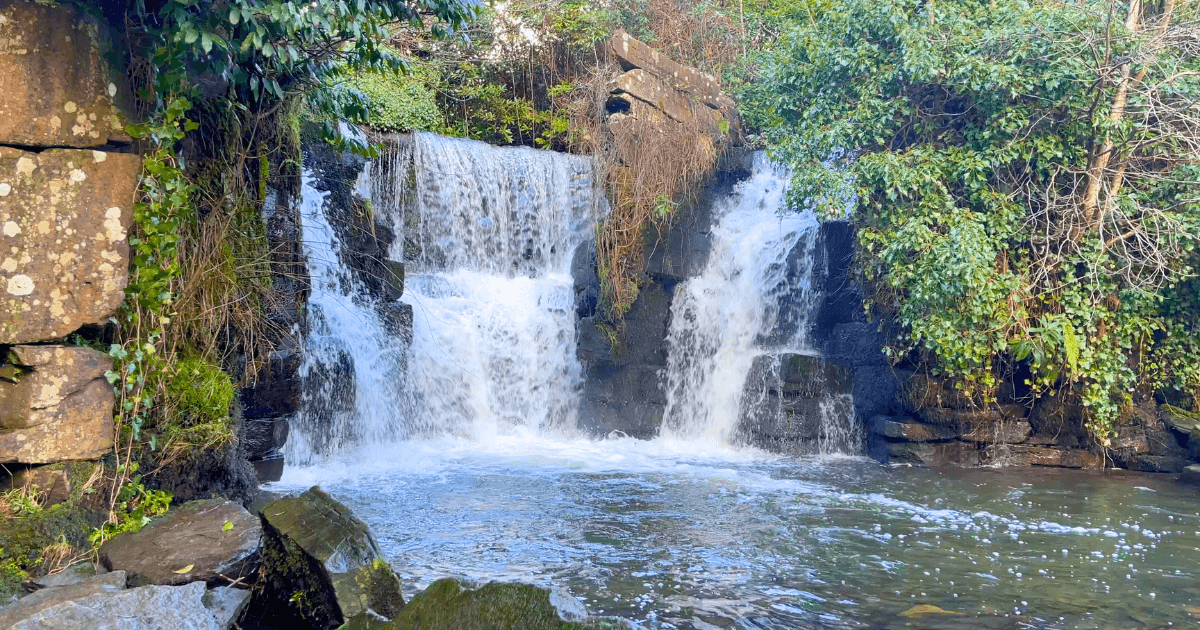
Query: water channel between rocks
[[460, 446]]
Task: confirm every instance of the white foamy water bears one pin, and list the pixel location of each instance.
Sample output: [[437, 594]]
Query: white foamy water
[[456, 449], [762, 260], [487, 236], [345, 334]]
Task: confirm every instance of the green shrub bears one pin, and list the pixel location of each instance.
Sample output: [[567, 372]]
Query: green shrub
[[201, 391], [400, 100]]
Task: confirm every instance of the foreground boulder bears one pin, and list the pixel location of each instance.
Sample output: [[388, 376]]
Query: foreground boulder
[[55, 404], [448, 604], [214, 541], [321, 566], [101, 602]]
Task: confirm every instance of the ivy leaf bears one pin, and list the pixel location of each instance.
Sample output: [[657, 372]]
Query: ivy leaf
[[1071, 345]]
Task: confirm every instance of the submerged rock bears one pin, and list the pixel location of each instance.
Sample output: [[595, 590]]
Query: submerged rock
[[449, 604], [216, 541], [321, 565]]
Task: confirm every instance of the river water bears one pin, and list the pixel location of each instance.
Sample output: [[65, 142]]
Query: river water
[[672, 535], [458, 446]]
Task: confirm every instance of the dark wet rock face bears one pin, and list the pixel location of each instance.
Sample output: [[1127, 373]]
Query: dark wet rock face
[[219, 540], [321, 566], [786, 399]]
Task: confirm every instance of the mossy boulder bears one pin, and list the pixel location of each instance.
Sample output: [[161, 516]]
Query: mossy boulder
[[447, 603], [321, 565]]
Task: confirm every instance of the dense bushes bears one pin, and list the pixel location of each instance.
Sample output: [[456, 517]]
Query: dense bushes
[[1025, 177]]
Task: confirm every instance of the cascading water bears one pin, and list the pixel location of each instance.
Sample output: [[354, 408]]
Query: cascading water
[[685, 532], [753, 299], [487, 235], [352, 362]]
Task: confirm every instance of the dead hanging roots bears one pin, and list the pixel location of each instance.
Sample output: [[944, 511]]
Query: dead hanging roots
[[652, 167]]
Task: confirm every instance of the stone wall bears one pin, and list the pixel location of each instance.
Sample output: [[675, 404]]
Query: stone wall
[[67, 183]]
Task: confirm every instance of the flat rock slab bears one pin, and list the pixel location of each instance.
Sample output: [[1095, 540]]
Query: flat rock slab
[[64, 256], [1018, 455], [218, 539], [633, 53], [67, 588], [145, 608], [58, 85], [935, 455], [60, 408], [909, 430]]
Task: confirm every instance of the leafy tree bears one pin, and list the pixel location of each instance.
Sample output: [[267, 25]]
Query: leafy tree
[[263, 50], [1025, 177]]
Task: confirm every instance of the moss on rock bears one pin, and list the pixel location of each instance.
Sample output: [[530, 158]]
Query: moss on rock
[[448, 604]]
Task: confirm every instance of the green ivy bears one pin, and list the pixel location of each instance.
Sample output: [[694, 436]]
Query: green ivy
[[962, 137]]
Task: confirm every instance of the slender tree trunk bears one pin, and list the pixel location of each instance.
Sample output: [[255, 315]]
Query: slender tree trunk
[[1099, 160]]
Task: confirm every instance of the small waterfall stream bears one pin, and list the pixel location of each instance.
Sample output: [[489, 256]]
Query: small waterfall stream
[[752, 304]]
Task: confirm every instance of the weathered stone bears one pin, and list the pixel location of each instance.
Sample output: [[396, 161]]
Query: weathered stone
[[919, 390], [59, 85], [217, 539], [671, 101], [1058, 417], [49, 374], [264, 436], [269, 468], [53, 483], [1178, 419], [1190, 474], [997, 432], [790, 401], [67, 589], [321, 563], [1155, 463], [64, 215], [74, 574], [1132, 440], [393, 281], [145, 608], [964, 419], [1026, 455], [60, 410], [935, 455], [448, 604], [276, 390], [226, 604], [633, 53], [909, 430]]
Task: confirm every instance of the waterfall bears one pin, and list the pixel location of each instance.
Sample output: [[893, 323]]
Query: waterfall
[[352, 361], [486, 235], [731, 326]]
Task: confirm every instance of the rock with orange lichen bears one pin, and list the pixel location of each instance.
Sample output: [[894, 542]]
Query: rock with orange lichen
[[55, 405], [64, 255]]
